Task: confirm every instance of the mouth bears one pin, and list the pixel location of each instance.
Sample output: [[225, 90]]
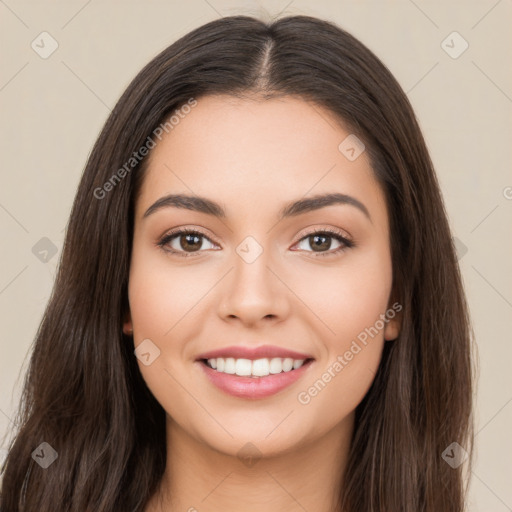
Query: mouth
[[257, 368], [254, 378]]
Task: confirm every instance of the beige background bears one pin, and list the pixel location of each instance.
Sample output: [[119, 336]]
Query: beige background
[[53, 109]]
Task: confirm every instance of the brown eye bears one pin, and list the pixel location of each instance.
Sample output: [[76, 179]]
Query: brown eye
[[321, 242], [184, 242], [190, 242]]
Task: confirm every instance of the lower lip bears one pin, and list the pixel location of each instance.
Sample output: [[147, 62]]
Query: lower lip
[[248, 387]]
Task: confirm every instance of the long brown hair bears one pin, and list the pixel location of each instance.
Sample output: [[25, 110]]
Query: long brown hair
[[83, 392]]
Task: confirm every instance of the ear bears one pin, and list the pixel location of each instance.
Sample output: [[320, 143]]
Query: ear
[[127, 325], [392, 330], [394, 323]]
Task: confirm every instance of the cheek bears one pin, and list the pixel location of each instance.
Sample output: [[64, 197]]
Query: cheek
[[161, 293], [161, 299], [353, 350], [348, 298], [151, 303]]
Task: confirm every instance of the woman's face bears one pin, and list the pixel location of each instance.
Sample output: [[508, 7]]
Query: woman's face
[[258, 276]]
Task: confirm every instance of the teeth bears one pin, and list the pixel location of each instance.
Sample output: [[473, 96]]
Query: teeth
[[243, 367], [256, 368], [229, 365]]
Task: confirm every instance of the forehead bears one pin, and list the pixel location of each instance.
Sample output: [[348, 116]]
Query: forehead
[[244, 152]]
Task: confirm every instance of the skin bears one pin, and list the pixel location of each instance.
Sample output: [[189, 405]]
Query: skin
[[253, 157]]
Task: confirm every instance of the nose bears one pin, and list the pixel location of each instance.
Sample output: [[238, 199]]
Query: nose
[[253, 293]]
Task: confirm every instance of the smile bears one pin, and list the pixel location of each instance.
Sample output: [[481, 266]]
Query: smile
[[257, 368], [253, 379]]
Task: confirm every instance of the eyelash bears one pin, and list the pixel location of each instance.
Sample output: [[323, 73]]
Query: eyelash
[[331, 233]]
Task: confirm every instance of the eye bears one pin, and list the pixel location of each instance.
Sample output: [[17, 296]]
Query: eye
[[184, 242], [321, 242]]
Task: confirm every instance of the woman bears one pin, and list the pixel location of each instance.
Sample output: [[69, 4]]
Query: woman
[[258, 302]]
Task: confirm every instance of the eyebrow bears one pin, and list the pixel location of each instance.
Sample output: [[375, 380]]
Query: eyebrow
[[204, 205]]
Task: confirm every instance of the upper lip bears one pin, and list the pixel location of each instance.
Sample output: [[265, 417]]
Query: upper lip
[[261, 352]]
